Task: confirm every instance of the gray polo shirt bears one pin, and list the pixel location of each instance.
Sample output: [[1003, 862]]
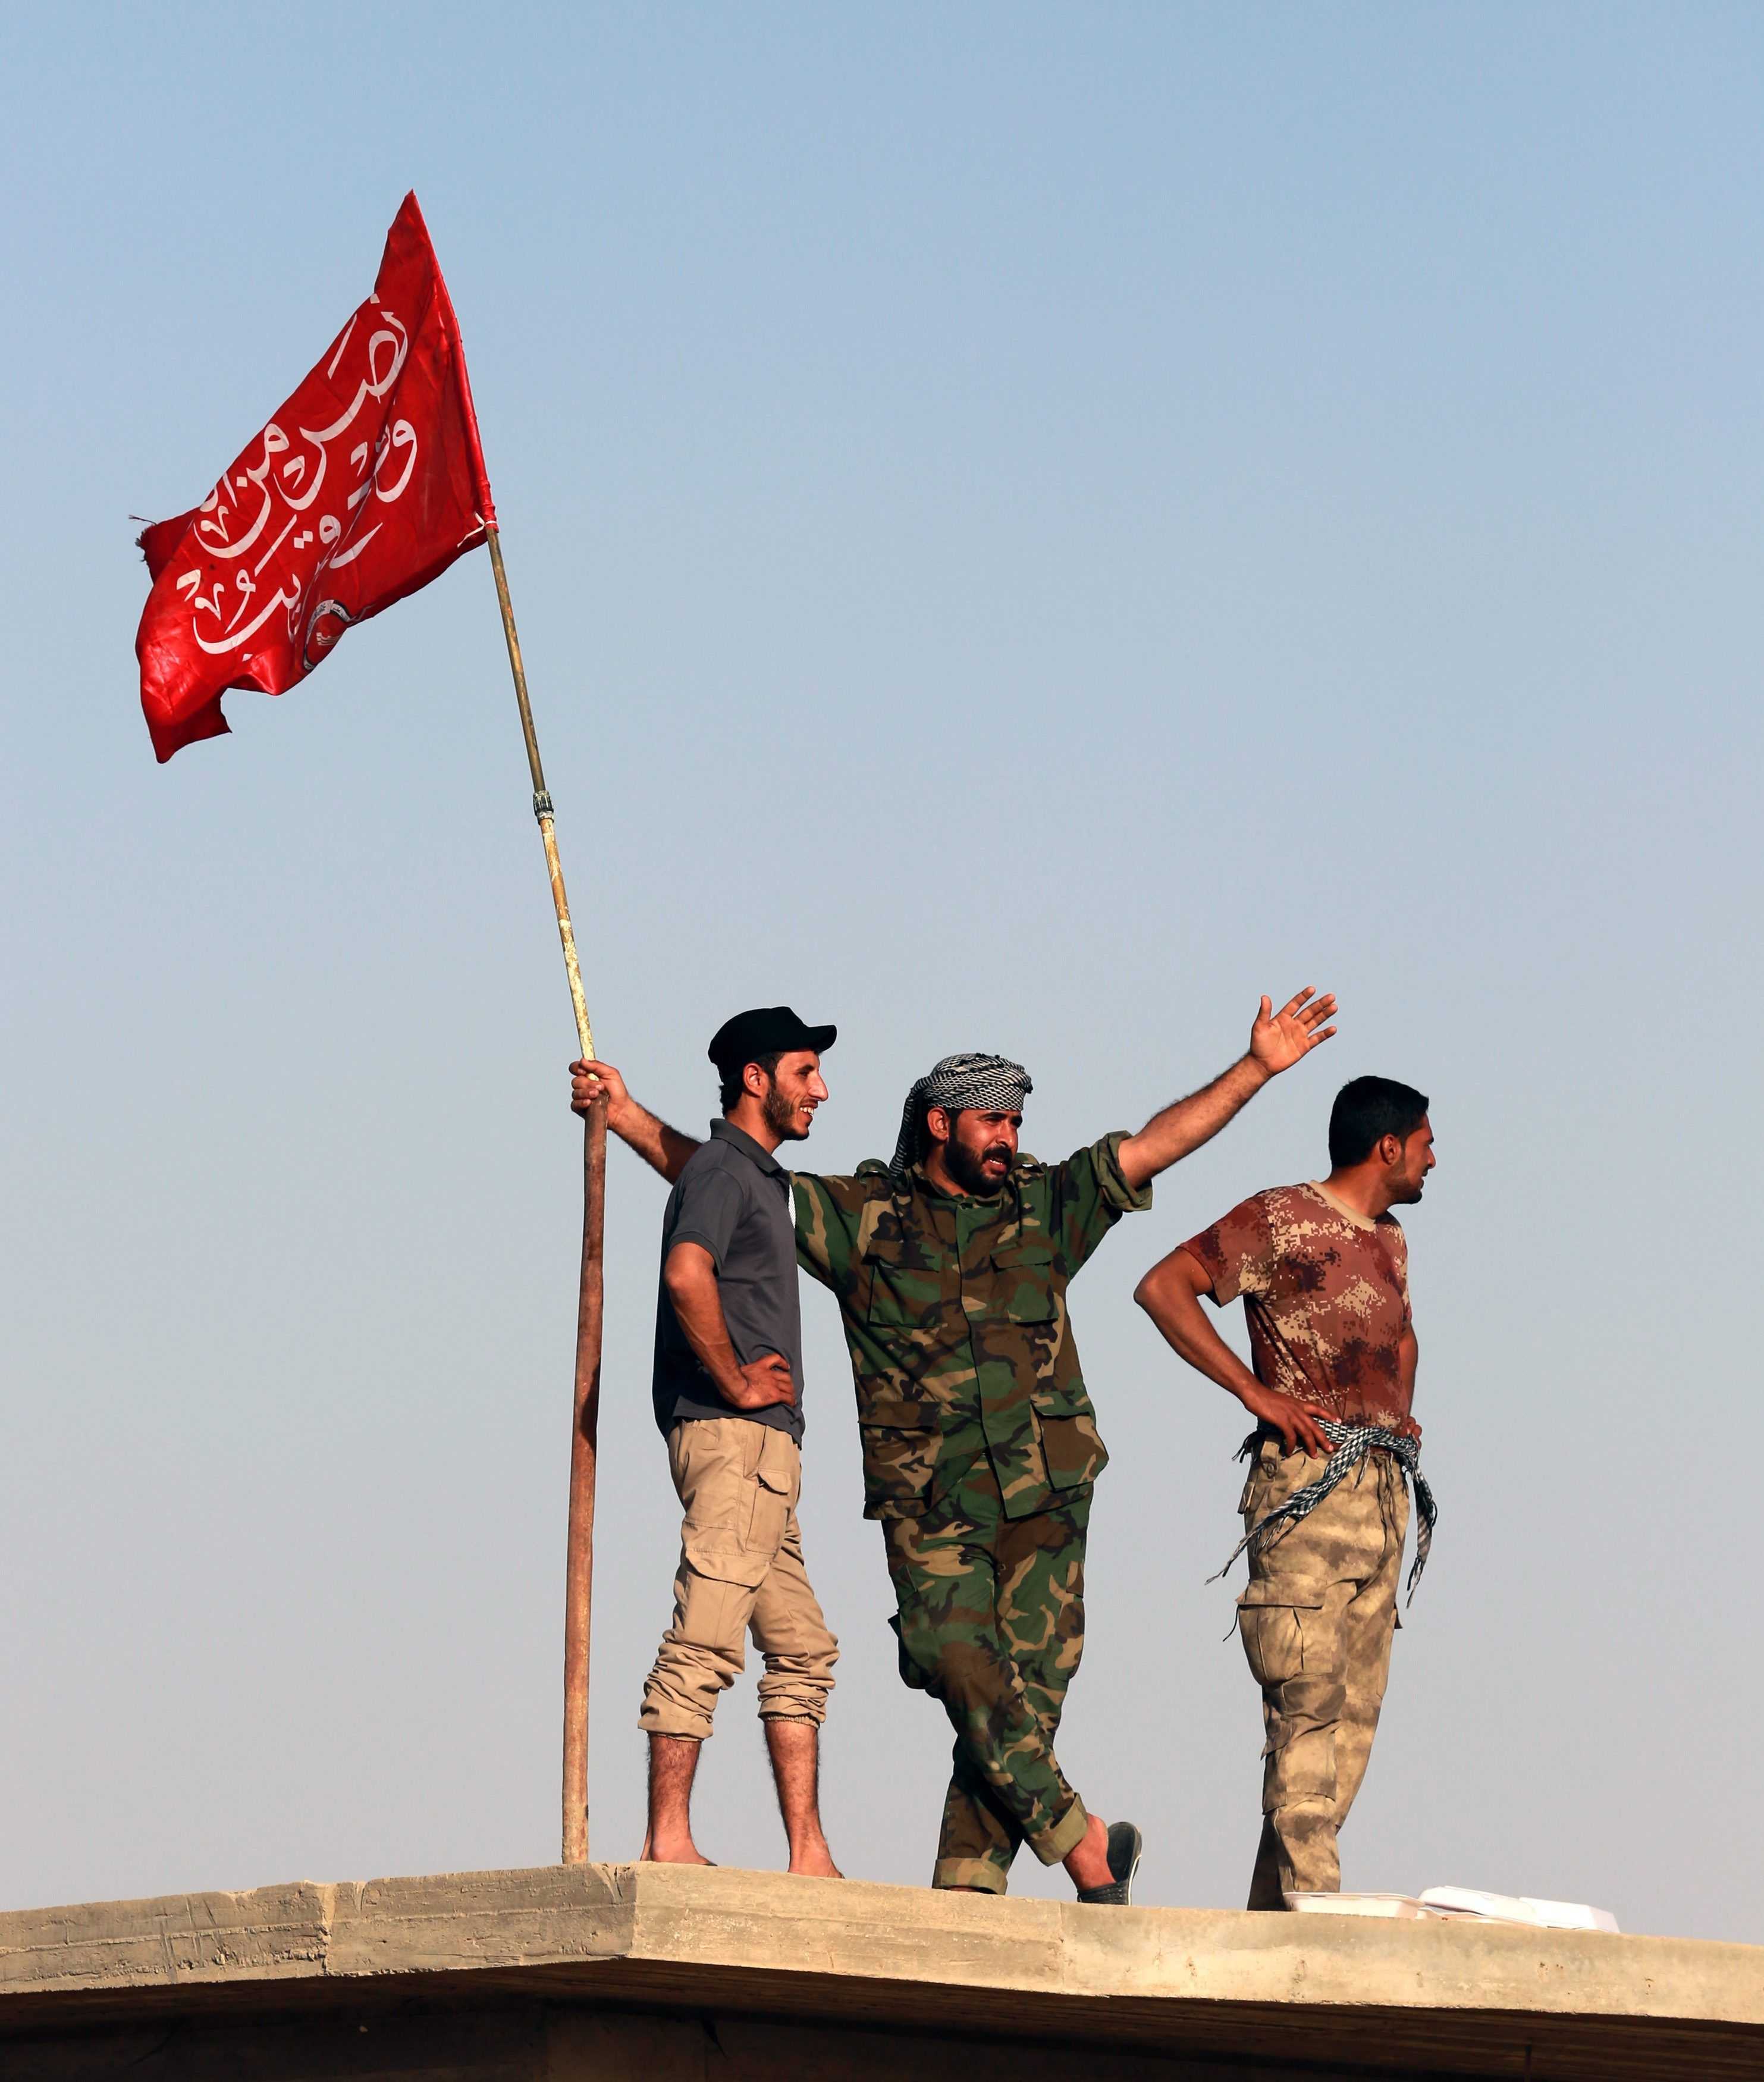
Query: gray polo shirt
[[733, 1198]]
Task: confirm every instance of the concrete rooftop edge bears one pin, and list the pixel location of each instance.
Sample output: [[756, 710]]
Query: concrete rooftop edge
[[524, 1923]]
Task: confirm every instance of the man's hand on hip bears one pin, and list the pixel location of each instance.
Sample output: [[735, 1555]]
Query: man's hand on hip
[[1295, 1421], [760, 1386]]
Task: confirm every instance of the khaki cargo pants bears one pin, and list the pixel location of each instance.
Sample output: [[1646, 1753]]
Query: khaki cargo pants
[[741, 1569], [1317, 1621]]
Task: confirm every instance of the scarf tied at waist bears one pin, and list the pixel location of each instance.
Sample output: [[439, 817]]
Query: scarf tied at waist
[[1350, 1445]]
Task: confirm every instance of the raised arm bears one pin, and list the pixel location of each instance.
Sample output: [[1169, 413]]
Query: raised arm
[[1170, 1293], [1277, 1040], [664, 1148]]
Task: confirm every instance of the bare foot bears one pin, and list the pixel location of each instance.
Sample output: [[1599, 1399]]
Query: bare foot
[[815, 1863], [671, 1852], [1089, 1862]]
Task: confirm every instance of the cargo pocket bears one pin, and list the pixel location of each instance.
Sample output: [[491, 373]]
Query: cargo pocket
[[1024, 1276], [720, 1556], [1024, 1292], [901, 1441], [1291, 1641], [1071, 1443], [777, 1466], [1272, 1622], [914, 1679], [912, 1281]]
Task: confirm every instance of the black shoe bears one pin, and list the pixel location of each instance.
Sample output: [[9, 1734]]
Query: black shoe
[[1126, 1847]]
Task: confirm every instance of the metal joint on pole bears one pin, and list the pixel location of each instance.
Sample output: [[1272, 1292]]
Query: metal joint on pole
[[542, 806]]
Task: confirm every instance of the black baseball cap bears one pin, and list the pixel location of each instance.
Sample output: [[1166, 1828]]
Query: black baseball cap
[[771, 1030]]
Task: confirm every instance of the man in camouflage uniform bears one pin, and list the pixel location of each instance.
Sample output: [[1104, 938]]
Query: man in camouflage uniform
[[1323, 1270], [980, 1447]]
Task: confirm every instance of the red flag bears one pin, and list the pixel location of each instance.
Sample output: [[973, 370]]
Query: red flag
[[366, 484]]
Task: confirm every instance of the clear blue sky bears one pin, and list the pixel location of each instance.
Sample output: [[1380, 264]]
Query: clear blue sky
[[1031, 526]]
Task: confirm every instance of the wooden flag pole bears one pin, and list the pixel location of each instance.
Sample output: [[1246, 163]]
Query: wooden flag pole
[[585, 1410]]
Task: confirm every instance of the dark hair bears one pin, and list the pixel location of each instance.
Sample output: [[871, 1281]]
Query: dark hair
[[1365, 1111], [732, 1088]]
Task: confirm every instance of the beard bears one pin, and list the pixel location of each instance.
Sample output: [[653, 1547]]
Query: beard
[[964, 1166], [779, 1116]]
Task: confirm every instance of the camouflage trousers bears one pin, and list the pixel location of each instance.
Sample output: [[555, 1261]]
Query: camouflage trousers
[[1317, 1619], [991, 1623]]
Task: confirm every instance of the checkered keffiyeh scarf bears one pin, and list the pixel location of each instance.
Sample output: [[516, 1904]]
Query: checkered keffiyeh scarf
[[1352, 1444], [993, 1083]]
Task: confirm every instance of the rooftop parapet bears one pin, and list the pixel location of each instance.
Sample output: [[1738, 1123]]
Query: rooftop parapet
[[665, 1971]]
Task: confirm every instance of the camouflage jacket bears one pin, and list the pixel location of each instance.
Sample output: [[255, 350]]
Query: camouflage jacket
[[954, 1312]]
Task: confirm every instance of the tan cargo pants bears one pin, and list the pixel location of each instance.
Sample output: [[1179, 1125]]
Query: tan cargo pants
[[1317, 1619], [741, 1569]]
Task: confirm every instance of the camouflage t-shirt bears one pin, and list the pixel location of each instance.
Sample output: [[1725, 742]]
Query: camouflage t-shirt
[[1326, 1293]]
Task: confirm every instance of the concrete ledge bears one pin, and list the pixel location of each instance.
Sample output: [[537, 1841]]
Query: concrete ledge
[[1364, 1997]]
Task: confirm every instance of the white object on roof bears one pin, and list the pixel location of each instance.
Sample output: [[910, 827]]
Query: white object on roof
[[1518, 1908], [1459, 1905]]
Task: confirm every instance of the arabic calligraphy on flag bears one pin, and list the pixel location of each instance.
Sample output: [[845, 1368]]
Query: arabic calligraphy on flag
[[367, 483]]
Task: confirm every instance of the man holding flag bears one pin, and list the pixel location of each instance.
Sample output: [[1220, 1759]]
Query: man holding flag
[[728, 1391]]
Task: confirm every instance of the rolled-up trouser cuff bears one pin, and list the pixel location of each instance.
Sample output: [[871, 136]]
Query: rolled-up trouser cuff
[[794, 1696], [661, 1717], [974, 1872], [1067, 1833]]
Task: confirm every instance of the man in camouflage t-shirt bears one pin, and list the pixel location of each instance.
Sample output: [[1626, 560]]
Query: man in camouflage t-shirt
[[1323, 1270], [950, 1265]]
